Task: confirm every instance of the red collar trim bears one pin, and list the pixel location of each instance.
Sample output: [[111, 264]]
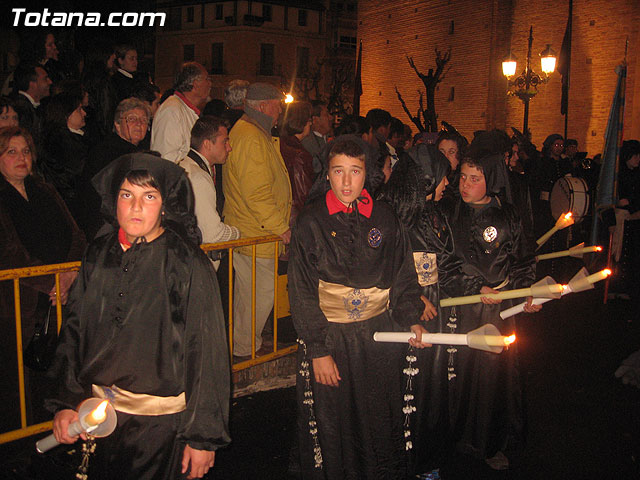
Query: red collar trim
[[188, 103], [334, 205], [122, 238]]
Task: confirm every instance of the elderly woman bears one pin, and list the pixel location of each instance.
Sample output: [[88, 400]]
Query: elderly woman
[[156, 345], [299, 162], [36, 228], [130, 125]]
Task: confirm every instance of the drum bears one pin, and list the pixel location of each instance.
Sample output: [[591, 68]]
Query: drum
[[570, 194]]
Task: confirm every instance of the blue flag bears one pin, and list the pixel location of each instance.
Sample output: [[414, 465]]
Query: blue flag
[[607, 191]]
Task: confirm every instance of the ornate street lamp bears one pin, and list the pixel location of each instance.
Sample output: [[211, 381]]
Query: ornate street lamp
[[525, 85]]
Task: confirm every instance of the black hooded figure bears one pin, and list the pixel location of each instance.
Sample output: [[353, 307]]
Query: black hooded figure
[[350, 274], [411, 191], [146, 330], [486, 401]]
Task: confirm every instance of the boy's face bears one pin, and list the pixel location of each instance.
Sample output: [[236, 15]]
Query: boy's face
[[346, 176], [473, 187], [139, 211]]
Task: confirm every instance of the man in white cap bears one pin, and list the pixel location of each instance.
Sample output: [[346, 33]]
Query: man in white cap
[[258, 202]]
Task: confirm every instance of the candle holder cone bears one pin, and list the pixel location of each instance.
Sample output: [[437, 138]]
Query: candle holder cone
[[543, 288], [579, 282], [103, 429], [576, 252], [477, 338]]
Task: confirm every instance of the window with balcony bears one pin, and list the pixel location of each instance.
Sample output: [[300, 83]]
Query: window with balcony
[[188, 52], [266, 13], [217, 58], [302, 60], [302, 18], [267, 59]]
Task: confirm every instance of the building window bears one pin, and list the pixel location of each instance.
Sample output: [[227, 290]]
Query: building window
[[217, 63], [175, 19], [349, 42], [219, 11], [452, 28], [189, 14], [188, 52], [267, 59], [266, 13], [351, 7], [302, 63], [302, 18], [452, 94]]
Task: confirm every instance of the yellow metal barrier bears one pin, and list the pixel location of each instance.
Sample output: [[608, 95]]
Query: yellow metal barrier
[[280, 309]]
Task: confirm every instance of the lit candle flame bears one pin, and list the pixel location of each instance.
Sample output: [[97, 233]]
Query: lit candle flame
[[565, 288], [288, 98], [509, 340], [568, 215], [97, 416], [598, 249], [607, 272]]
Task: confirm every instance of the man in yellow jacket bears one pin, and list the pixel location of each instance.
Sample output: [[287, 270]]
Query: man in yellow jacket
[[258, 202]]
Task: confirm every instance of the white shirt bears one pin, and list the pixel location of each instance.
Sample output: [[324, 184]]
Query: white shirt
[[30, 98], [171, 131], [204, 191], [393, 155], [125, 73]]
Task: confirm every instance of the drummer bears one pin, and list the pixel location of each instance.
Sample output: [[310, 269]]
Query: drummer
[[550, 168]]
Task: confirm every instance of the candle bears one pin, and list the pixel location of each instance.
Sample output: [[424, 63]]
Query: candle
[[576, 251], [95, 416], [562, 222], [601, 275], [485, 338], [581, 281], [545, 288]]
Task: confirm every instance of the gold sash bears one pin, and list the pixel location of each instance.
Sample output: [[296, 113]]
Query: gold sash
[[140, 403], [426, 268], [341, 304]]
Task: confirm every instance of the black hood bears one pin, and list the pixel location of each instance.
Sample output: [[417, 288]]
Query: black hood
[[173, 184]]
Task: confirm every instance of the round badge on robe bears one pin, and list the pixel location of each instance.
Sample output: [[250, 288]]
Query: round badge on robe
[[374, 238], [490, 234]]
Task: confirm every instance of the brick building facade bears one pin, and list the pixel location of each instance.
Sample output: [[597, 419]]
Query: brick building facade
[[472, 95]]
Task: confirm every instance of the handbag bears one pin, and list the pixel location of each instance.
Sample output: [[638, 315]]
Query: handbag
[[41, 349]]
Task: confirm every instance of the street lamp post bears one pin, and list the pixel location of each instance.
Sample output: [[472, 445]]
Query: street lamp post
[[525, 85]]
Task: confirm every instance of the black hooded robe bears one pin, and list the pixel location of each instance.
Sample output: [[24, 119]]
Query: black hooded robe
[[148, 320], [360, 422], [486, 399]]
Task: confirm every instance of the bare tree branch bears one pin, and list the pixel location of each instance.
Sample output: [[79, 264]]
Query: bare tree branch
[[415, 120]]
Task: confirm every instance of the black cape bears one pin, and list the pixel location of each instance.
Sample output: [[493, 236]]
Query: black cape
[[360, 422]]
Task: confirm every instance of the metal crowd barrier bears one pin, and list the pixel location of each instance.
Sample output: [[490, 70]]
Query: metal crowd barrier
[[280, 309]]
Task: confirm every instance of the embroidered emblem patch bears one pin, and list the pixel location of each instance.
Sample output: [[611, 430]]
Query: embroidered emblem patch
[[374, 238], [490, 234], [355, 304], [426, 268]]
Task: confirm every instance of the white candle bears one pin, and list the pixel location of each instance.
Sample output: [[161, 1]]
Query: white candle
[[601, 275], [564, 221], [547, 291], [486, 338], [574, 252], [99, 421]]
